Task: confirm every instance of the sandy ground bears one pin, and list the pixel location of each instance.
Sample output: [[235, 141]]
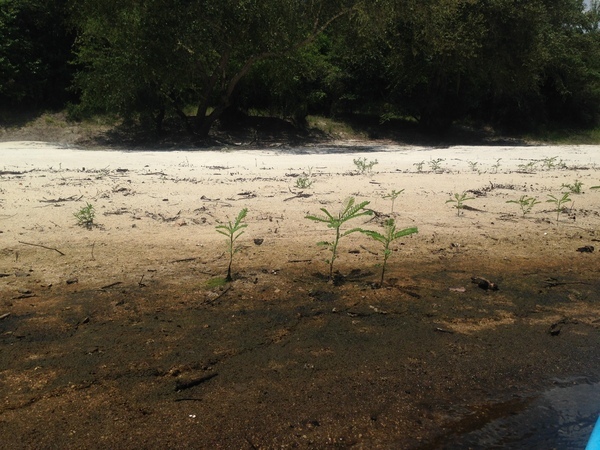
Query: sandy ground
[[122, 335]]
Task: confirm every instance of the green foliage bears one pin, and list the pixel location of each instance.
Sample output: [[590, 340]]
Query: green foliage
[[526, 203], [232, 231], [304, 181], [364, 167], [389, 235], [559, 202], [419, 166], [552, 162], [35, 49], [574, 188], [496, 165], [528, 167], [459, 200], [393, 196], [436, 164], [473, 165], [158, 58], [85, 216], [350, 210]]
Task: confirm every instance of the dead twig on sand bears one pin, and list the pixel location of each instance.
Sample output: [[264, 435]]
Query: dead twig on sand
[[72, 198], [42, 246]]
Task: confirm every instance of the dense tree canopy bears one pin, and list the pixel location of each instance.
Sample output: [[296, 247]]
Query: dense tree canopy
[[505, 62], [35, 47]]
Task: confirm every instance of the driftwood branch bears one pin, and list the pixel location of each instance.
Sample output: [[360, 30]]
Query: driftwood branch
[[42, 246]]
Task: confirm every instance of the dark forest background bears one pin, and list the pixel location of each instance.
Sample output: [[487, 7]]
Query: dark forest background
[[189, 65]]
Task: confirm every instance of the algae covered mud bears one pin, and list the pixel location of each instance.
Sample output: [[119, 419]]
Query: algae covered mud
[[121, 335]]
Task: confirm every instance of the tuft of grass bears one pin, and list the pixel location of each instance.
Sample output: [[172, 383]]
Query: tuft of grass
[[85, 216], [216, 282]]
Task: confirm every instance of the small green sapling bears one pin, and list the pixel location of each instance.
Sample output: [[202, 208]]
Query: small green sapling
[[232, 231], [393, 196], [574, 188], [459, 200], [559, 202], [363, 166], [350, 210], [389, 235], [526, 203]]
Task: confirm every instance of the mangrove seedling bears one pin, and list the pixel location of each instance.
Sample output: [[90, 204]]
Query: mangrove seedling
[[574, 188], [304, 181], [363, 166], [232, 231], [350, 210], [389, 235], [459, 200], [497, 165], [526, 203], [436, 164], [85, 216], [473, 166], [559, 202], [393, 196]]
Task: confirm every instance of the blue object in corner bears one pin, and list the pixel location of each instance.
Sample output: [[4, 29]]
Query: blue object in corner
[[594, 442]]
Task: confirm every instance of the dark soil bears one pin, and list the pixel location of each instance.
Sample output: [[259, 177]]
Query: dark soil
[[279, 359]]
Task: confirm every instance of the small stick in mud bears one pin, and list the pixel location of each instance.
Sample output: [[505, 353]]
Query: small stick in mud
[[182, 385], [43, 246]]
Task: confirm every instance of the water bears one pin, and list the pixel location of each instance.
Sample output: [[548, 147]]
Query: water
[[561, 418]]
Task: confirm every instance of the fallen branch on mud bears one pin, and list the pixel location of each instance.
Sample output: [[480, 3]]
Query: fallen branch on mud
[[210, 302], [42, 246], [182, 385], [108, 286]]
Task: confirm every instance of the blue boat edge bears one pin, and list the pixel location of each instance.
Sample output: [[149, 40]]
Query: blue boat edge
[[594, 441]]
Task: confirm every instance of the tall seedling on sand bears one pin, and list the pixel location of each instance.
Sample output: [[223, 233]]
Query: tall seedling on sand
[[559, 202], [459, 201], [232, 231], [389, 235], [350, 210], [393, 196], [526, 203]]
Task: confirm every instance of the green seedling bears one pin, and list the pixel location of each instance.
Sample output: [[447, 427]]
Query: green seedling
[[436, 164], [85, 216], [393, 196], [232, 231], [553, 162], [559, 202], [473, 166], [419, 166], [496, 166], [459, 200], [574, 188], [304, 181], [350, 210], [363, 166], [526, 203], [529, 167], [389, 235]]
